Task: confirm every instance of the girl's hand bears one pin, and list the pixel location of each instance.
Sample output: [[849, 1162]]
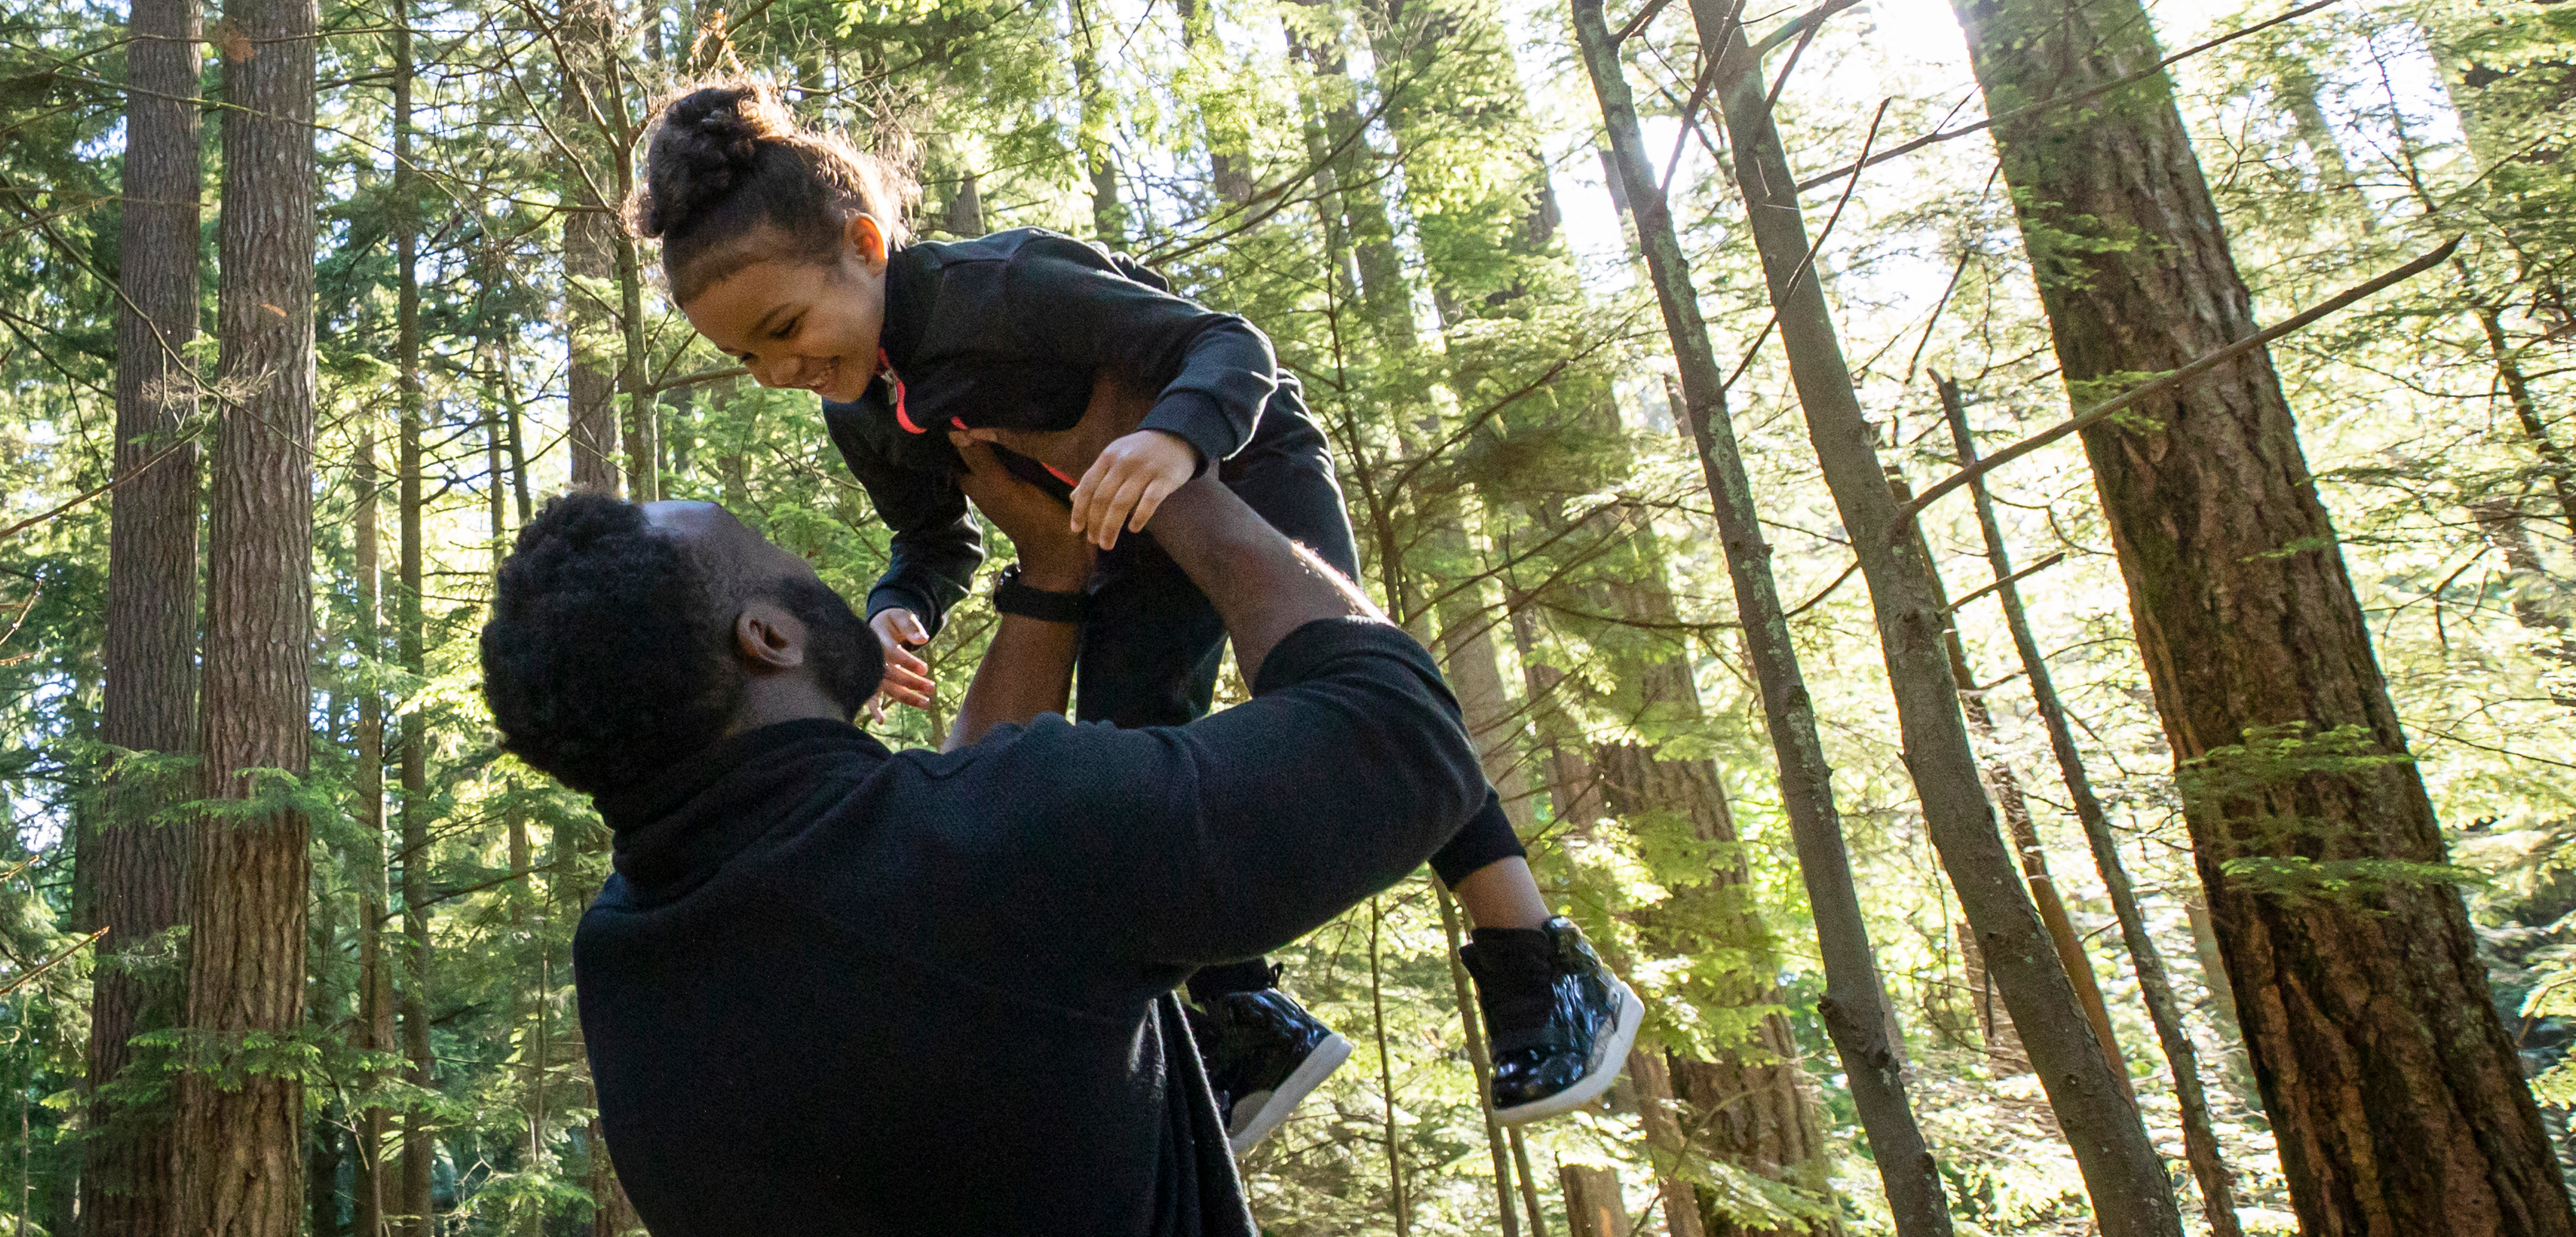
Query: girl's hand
[[1131, 478], [907, 677]]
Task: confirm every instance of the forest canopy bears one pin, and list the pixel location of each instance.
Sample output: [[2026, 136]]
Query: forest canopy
[[2154, 827]]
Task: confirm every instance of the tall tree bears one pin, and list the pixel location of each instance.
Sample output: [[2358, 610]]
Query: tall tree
[[240, 1107], [376, 1032], [2121, 1171], [419, 1149], [133, 875], [2393, 1086], [590, 257], [1854, 1010], [2200, 1143]]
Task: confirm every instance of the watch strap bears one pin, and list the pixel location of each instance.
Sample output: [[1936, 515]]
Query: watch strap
[[1011, 596]]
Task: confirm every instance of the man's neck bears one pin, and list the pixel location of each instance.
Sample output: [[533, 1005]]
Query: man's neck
[[769, 701]]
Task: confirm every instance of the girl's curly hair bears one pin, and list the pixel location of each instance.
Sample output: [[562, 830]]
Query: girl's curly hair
[[731, 179]]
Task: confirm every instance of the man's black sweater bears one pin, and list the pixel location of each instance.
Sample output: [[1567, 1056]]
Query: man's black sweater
[[834, 989]]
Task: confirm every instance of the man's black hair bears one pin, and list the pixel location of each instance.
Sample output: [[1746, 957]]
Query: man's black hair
[[605, 659]]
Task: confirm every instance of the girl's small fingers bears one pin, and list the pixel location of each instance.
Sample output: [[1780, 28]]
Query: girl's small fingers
[[904, 659], [1092, 504], [1114, 518], [1150, 502]]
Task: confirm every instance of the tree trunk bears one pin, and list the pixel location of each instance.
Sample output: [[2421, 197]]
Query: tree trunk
[[1593, 1205], [375, 971], [2200, 1142], [1854, 1008], [1108, 217], [2235, 1065], [2121, 1170], [240, 1149], [2394, 1089], [590, 263], [2005, 786], [133, 877], [418, 1154]]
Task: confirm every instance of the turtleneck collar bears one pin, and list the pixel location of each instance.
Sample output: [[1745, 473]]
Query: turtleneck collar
[[674, 830], [911, 280]]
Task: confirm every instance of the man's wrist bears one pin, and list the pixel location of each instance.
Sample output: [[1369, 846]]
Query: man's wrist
[[1040, 597], [1053, 577]]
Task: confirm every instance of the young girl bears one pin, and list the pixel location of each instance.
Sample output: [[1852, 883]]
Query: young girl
[[786, 249]]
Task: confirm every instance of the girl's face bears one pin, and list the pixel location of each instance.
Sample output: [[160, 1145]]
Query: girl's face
[[802, 323]]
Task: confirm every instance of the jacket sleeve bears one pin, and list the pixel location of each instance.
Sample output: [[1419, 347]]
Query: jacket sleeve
[[1242, 831], [937, 545], [1069, 301]]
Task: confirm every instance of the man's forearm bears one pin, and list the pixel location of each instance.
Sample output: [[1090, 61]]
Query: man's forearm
[[1263, 585], [1027, 670]]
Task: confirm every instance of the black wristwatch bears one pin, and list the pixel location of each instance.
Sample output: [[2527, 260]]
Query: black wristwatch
[[1012, 597]]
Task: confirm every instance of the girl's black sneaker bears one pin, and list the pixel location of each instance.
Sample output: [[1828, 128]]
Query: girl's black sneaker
[[1560, 1024], [1264, 1055]]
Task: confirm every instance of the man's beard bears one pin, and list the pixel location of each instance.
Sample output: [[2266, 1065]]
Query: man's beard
[[847, 662]]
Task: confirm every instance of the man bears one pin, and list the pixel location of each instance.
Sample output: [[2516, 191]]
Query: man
[[837, 989]]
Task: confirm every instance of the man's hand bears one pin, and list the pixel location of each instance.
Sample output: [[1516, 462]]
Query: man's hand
[[1116, 409], [907, 677], [1128, 482], [1053, 557]]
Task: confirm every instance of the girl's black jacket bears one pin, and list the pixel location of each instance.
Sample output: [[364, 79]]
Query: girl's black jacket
[[1008, 332]]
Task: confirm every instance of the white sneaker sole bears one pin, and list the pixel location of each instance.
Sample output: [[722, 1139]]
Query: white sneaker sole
[[1609, 1055], [1257, 1114]]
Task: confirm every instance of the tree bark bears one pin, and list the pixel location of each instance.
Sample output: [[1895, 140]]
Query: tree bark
[[375, 972], [2200, 1142], [1854, 1008], [2121, 1170], [418, 1153], [251, 873], [133, 876], [2393, 1086], [2005, 786], [1593, 1205], [590, 264]]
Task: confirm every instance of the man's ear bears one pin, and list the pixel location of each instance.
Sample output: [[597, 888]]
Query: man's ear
[[866, 237], [768, 639]]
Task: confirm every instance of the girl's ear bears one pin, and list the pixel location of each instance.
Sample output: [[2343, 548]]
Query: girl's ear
[[866, 237]]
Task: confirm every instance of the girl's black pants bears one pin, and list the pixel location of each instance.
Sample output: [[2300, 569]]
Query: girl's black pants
[[1154, 643]]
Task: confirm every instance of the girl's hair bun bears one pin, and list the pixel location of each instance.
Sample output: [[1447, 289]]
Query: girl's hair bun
[[707, 145], [727, 162]]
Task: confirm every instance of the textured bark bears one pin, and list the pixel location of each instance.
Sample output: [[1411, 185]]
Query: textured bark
[[133, 875], [2393, 1087], [2005, 786], [2234, 1064], [590, 264], [374, 1185], [240, 1150], [419, 1154], [1479, 1058], [1669, 1147], [1854, 1008], [2389, 1078], [1593, 1205], [1108, 215], [2200, 1142], [2121, 1171]]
